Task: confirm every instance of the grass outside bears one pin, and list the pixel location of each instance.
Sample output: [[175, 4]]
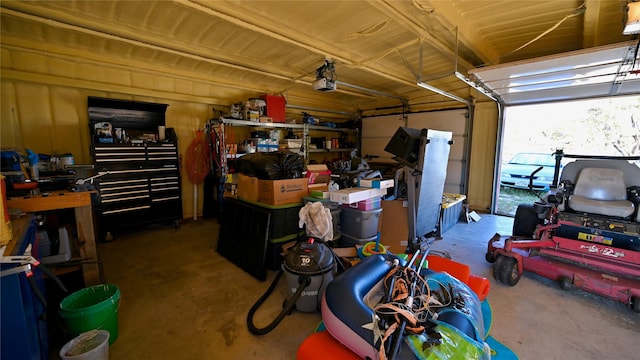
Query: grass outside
[[509, 199]]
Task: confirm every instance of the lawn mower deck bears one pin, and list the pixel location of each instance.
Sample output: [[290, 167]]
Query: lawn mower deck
[[600, 269], [594, 252]]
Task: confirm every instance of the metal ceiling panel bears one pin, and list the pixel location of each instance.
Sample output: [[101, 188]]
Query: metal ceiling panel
[[380, 47]]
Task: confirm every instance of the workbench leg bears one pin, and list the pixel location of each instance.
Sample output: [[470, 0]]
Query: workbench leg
[[87, 244]]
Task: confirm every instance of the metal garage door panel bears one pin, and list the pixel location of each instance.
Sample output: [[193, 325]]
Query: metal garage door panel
[[450, 120], [454, 177], [377, 131], [456, 122], [458, 148], [381, 127], [587, 73], [375, 146]]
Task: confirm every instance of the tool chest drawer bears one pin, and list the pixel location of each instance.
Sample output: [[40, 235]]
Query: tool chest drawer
[[139, 173]]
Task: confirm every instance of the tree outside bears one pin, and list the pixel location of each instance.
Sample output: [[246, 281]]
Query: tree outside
[[609, 126]]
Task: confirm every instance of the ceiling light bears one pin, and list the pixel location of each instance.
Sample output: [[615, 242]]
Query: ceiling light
[[441, 92], [633, 19]]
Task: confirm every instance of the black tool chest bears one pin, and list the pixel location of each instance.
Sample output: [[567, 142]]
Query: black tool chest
[[138, 179]]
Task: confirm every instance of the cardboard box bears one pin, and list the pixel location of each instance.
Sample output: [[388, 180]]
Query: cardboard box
[[232, 178], [247, 187], [349, 254], [291, 143], [394, 225], [369, 204], [280, 192], [318, 173], [352, 195], [318, 193], [376, 183], [321, 187]]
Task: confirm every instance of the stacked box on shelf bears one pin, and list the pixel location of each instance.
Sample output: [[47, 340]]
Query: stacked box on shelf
[[369, 204], [353, 195], [376, 183], [318, 177]]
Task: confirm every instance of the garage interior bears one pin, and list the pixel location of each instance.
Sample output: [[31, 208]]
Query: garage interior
[[444, 65]]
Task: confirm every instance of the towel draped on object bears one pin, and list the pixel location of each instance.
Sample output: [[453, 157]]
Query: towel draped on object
[[317, 219]]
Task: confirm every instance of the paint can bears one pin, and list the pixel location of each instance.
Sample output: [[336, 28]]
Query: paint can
[[67, 160]]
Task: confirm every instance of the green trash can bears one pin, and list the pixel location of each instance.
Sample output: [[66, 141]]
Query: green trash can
[[92, 308]]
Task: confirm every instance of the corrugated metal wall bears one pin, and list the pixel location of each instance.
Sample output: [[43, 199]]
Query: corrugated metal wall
[[44, 108], [53, 120], [484, 135]]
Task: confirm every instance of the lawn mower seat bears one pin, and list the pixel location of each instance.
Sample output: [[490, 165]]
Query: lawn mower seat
[[601, 191]]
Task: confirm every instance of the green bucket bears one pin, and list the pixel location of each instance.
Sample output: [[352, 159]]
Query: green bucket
[[95, 307]]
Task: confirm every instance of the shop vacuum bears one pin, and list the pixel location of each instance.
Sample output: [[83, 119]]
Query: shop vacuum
[[309, 267]]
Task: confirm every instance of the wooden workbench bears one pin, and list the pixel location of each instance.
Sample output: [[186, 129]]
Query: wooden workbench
[[81, 203], [19, 229]]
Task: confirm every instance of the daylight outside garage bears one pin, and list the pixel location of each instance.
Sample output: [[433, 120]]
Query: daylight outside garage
[[532, 133]]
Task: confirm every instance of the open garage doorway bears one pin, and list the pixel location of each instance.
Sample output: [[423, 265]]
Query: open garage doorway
[[532, 133]]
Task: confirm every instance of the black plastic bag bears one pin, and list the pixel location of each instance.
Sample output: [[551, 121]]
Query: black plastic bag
[[271, 165]]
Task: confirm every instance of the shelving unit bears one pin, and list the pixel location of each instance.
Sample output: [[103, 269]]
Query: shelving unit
[[306, 133], [219, 131]]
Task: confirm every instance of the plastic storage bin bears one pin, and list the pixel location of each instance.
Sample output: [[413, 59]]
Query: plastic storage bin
[[347, 241], [451, 211], [359, 224], [274, 256], [284, 218]]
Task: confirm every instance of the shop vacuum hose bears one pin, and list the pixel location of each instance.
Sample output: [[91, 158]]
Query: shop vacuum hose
[[304, 281]]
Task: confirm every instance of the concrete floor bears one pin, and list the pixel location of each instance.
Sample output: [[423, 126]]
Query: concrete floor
[[182, 300]]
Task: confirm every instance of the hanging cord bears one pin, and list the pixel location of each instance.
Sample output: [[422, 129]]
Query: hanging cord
[[303, 281], [577, 11]]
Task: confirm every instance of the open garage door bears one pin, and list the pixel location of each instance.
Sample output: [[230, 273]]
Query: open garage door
[[591, 73], [565, 101], [377, 131], [608, 126]]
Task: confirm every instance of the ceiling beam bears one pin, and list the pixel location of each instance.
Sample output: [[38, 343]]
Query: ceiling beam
[[404, 20], [165, 47], [293, 37], [591, 25], [603, 22]]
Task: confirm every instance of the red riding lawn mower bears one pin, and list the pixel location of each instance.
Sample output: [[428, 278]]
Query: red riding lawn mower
[[584, 233]]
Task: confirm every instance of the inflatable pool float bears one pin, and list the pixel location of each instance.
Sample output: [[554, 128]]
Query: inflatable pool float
[[444, 318]]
